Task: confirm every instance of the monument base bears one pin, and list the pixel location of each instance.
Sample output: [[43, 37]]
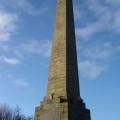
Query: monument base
[[62, 109]]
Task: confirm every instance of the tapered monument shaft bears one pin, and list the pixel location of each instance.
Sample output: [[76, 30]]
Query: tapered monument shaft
[[63, 73], [62, 100]]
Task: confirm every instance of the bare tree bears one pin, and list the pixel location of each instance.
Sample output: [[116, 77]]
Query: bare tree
[[29, 118], [18, 114], [7, 113]]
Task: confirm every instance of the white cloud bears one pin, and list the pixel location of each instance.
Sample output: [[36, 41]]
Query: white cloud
[[115, 2], [4, 36], [3, 47], [91, 69], [34, 47], [25, 50], [24, 6], [5, 76], [78, 13], [97, 59], [7, 25], [97, 16], [105, 16], [29, 8], [9, 60], [85, 32], [101, 52], [21, 82], [14, 80], [116, 23]]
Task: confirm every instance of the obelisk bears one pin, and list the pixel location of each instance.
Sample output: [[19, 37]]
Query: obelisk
[[62, 100]]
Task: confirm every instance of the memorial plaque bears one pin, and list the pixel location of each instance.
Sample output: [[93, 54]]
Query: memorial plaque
[[52, 115]]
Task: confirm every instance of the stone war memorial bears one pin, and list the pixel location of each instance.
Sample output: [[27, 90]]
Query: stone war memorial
[[62, 100]]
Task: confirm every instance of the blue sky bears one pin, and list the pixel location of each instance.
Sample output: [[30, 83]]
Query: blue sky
[[26, 32]]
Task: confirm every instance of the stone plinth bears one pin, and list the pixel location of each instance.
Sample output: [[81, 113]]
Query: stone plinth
[[60, 108]]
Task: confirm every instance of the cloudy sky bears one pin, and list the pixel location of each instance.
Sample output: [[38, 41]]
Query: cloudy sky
[[26, 32]]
